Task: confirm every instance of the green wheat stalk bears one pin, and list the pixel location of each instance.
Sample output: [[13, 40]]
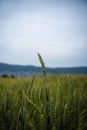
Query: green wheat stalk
[[31, 84], [42, 63], [44, 81], [27, 98]]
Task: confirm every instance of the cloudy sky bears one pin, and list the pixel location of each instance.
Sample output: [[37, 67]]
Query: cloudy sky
[[57, 29]]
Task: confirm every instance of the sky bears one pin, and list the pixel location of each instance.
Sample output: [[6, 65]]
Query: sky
[[57, 29]]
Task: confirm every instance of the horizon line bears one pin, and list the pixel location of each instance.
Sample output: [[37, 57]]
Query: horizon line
[[25, 65]]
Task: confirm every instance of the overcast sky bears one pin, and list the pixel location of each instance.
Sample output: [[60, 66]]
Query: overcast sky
[[57, 29]]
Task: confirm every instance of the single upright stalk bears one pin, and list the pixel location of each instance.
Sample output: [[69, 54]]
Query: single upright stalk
[[44, 81]]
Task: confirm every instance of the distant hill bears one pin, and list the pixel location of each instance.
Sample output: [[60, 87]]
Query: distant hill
[[29, 70]]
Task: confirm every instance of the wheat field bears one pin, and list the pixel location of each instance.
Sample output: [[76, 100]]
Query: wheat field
[[56, 102], [26, 104]]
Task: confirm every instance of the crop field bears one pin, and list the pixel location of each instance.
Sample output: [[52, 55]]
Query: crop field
[[43, 103]]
